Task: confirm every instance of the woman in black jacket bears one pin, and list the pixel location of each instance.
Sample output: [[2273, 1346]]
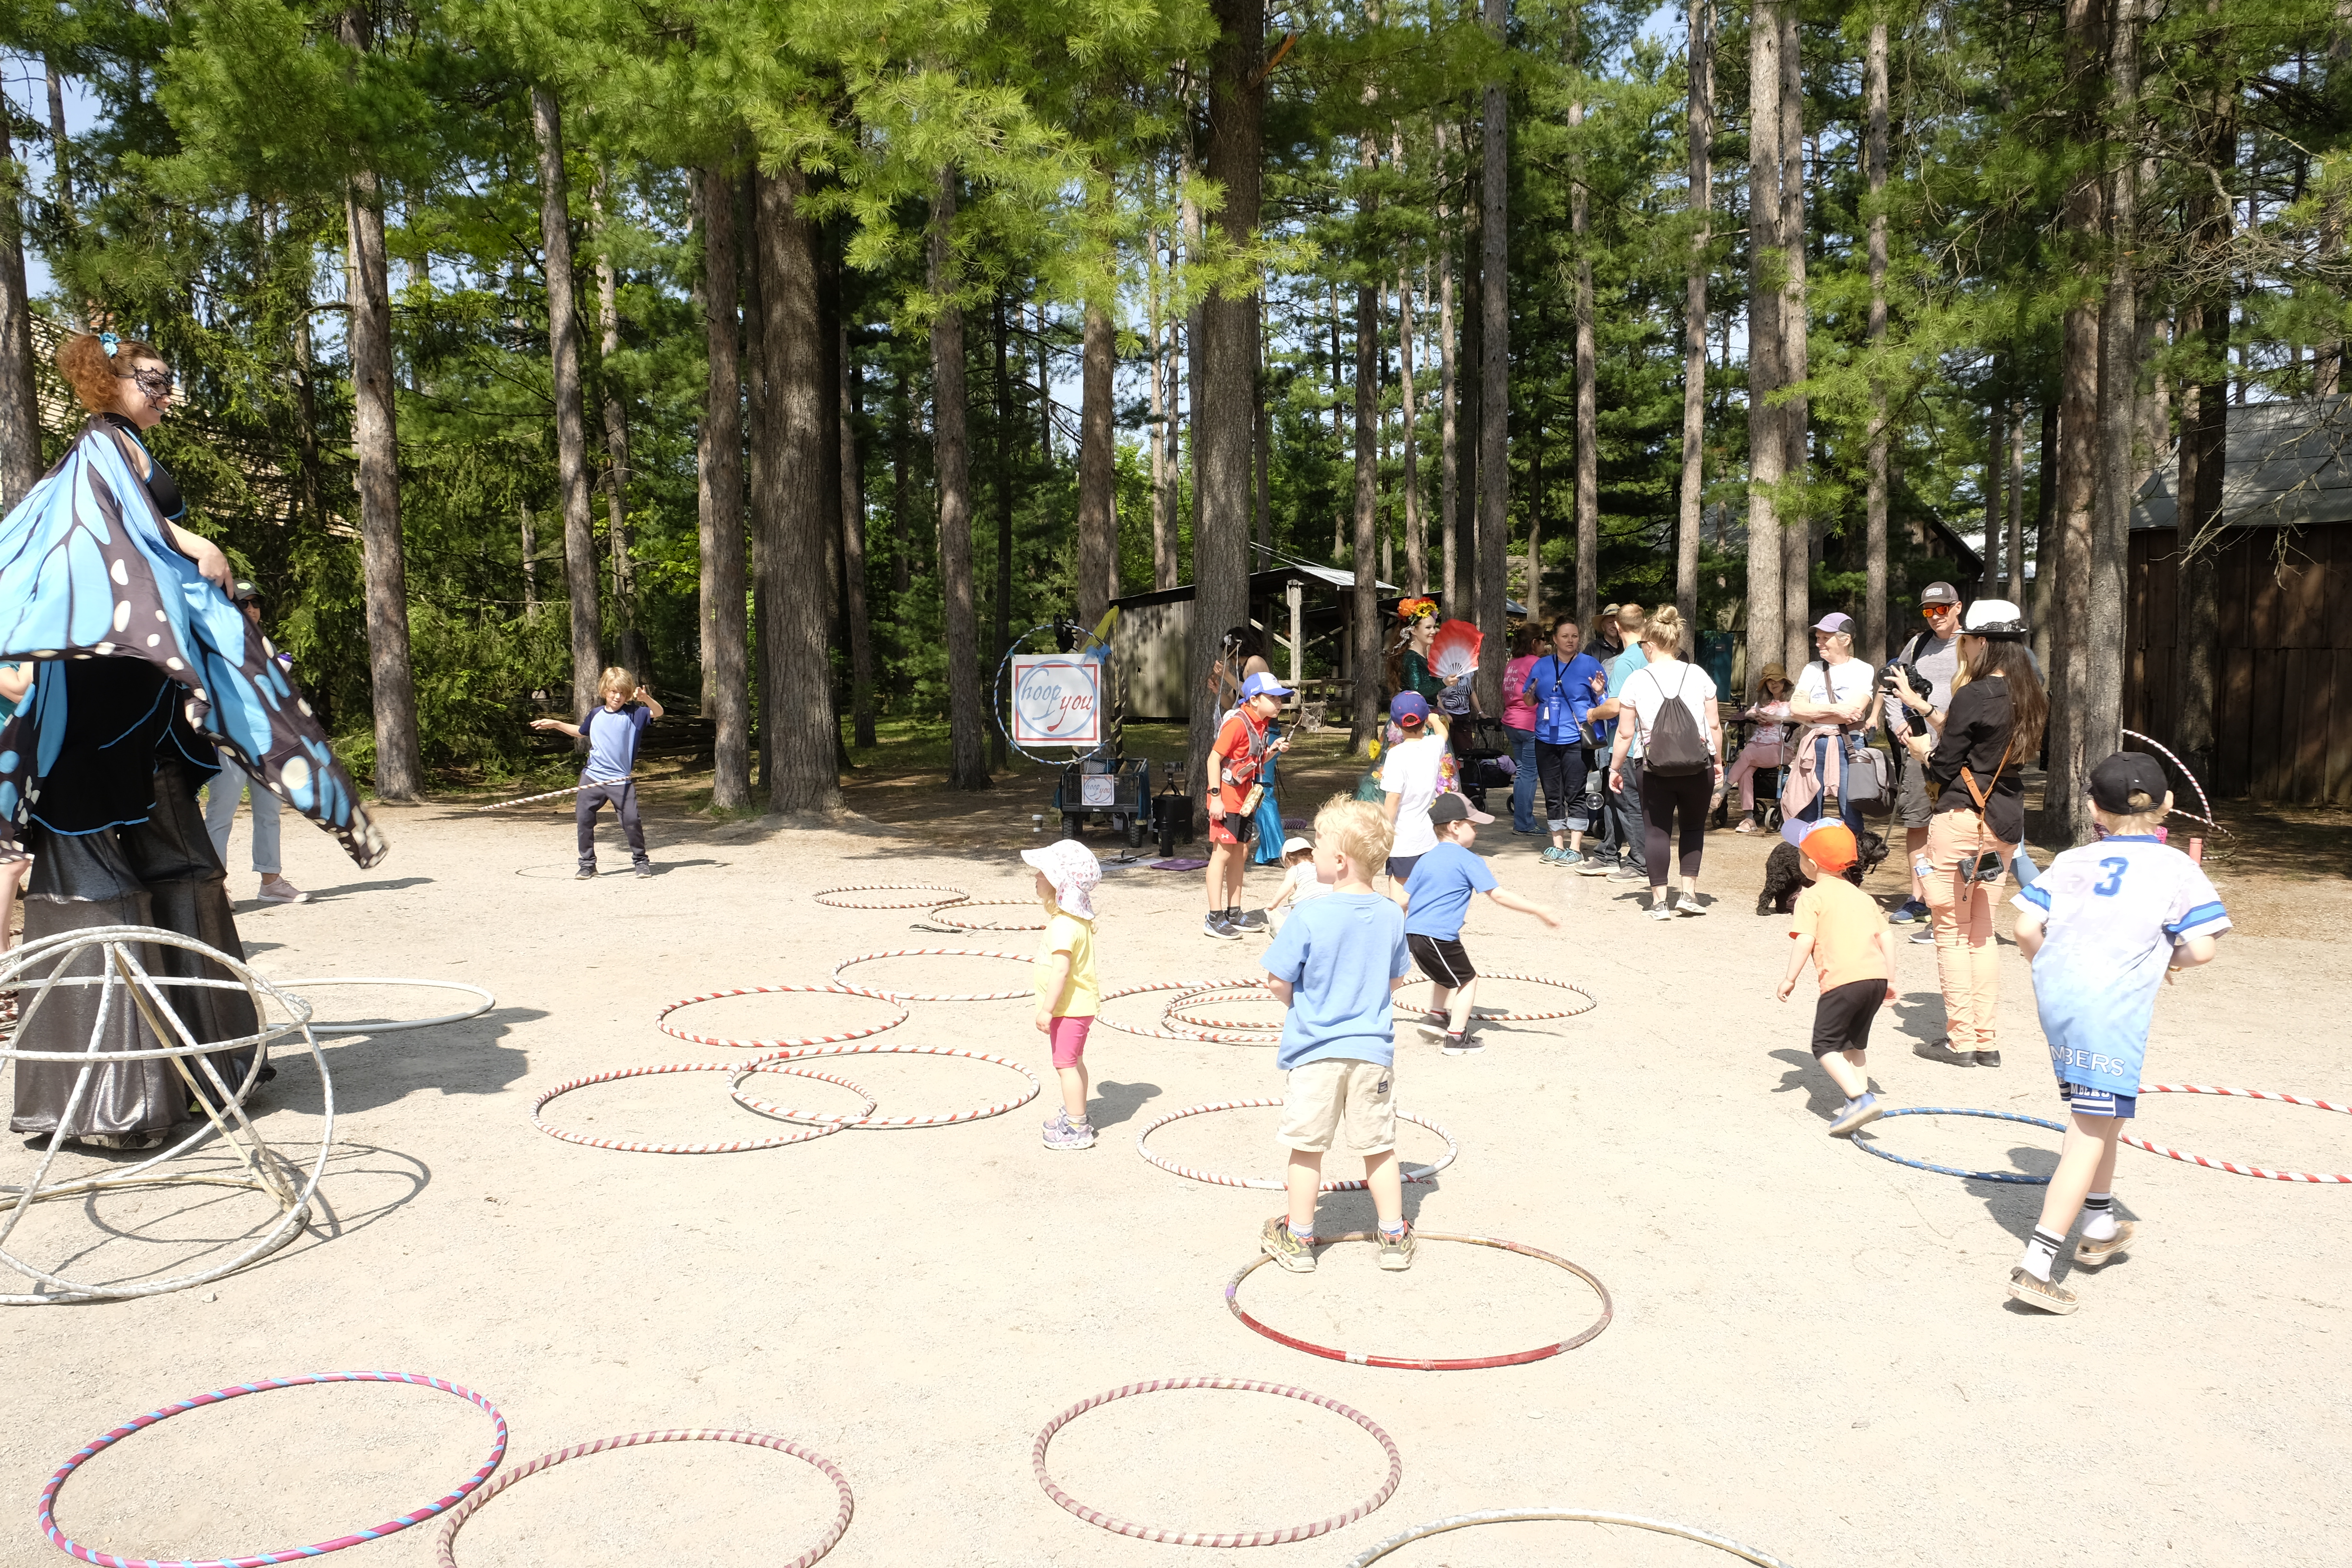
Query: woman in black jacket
[[1991, 731]]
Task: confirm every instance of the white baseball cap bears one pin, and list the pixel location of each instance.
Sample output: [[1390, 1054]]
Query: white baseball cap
[[1294, 844]]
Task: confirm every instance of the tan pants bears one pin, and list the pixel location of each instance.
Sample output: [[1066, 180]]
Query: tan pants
[[1968, 960]]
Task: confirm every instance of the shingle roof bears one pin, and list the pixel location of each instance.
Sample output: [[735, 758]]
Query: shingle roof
[[2286, 465]]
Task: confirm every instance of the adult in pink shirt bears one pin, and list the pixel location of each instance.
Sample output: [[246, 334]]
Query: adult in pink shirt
[[1520, 723]]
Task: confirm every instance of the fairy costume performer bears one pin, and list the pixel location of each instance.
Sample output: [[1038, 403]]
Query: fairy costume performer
[[144, 670]]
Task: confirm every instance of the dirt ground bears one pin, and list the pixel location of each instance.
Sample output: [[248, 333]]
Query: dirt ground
[[1810, 1351]]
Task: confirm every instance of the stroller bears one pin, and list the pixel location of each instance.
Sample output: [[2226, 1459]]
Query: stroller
[[1482, 753]]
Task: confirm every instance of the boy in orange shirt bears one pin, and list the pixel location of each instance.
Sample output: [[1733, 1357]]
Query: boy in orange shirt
[[1840, 927]]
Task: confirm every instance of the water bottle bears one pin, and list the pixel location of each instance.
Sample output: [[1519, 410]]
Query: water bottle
[[1921, 867]]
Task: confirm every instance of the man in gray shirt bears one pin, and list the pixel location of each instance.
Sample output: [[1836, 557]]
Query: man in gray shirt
[[1935, 655]]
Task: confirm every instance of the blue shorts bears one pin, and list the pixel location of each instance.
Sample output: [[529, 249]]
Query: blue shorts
[[2098, 1102]]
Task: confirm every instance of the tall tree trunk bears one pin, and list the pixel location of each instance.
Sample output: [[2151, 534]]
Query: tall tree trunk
[[2045, 534], [1796, 420], [902, 460], [719, 503], [852, 545], [1701, 67], [20, 402], [1495, 395], [951, 467], [571, 428], [1449, 504], [1223, 401], [1163, 425], [1003, 455], [1365, 630], [1874, 634], [1416, 530], [1588, 408], [1768, 447], [2098, 696], [616, 431], [1996, 457], [758, 377], [2204, 440], [2067, 819], [1097, 497], [1470, 388], [1262, 445], [529, 544], [2015, 582], [1187, 436], [800, 512], [376, 437]]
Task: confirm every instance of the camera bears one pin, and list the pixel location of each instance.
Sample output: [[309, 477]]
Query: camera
[[1897, 674]]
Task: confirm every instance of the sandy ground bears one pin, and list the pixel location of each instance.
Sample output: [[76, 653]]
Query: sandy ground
[[1811, 1353]]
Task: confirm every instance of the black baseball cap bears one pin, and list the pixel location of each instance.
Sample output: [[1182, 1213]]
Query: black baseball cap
[[1451, 807], [2129, 784], [244, 593], [1940, 594]]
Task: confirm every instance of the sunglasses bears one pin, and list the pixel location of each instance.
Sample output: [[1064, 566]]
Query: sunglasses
[[1932, 611], [153, 382]]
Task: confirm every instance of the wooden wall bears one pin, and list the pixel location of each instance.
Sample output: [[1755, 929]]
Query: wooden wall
[[2282, 707]]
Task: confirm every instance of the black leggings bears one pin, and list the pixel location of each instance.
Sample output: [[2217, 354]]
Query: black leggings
[[1561, 768], [1662, 796]]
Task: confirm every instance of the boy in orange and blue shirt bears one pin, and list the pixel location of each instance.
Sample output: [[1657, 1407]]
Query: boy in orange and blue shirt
[[1839, 926]]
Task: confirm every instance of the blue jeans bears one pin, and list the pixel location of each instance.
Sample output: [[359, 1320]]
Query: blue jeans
[[1849, 811], [1523, 782]]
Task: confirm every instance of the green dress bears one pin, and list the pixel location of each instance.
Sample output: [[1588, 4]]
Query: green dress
[[1417, 677]]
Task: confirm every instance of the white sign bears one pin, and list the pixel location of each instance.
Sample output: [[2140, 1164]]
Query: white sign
[[1056, 700], [1098, 789]]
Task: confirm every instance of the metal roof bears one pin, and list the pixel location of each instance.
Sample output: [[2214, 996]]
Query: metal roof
[[2286, 465]]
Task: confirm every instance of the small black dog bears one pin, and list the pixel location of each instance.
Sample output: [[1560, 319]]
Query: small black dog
[[1784, 879]]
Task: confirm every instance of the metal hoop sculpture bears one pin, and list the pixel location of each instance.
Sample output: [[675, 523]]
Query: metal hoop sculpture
[[635, 1146], [1590, 1002], [2015, 1177], [2321, 1179], [660, 1020], [937, 952], [948, 915], [933, 896], [446, 1549], [1274, 1184], [1160, 1032], [284, 1553], [126, 982], [1104, 747], [1194, 1538], [1372, 1554], [1429, 1364], [870, 1120], [362, 1026]]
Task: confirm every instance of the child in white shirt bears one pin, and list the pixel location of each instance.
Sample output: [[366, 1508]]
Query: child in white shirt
[[1300, 885]]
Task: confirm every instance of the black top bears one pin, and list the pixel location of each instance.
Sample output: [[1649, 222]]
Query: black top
[[1976, 732], [162, 488]]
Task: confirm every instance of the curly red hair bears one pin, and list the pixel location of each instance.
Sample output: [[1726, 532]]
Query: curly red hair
[[92, 372]]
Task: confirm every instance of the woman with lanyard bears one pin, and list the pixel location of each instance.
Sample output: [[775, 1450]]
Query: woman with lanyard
[[1836, 703], [1993, 728], [1564, 685]]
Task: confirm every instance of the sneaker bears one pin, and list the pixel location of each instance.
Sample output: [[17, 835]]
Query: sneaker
[[1689, 905], [1659, 912], [1462, 1045], [1217, 925], [1988, 1058], [281, 891], [2039, 1294], [1434, 1032], [1857, 1114], [127, 1141], [1924, 937], [1629, 874], [585, 874], [1276, 1241], [1906, 912], [644, 867], [1396, 1251], [1552, 853], [1746, 824], [1526, 832], [1942, 1051], [1246, 920], [1590, 866], [2091, 1254], [1061, 1132], [1569, 857]]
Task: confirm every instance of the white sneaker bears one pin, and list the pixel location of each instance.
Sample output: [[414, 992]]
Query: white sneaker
[[281, 891]]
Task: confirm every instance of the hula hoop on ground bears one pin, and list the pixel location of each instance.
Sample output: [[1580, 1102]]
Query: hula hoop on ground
[[937, 895], [1372, 1554], [633, 1146], [2014, 1178], [868, 1120], [1276, 1183], [1428, 1363], [947, 915], [445, 1549], [677, 1034], [1194, 1538], [1590, 1002], [362, 1026], [286, 1554], [1160, 1032], [903, 997], [2314, 1179], [1183, 1010]]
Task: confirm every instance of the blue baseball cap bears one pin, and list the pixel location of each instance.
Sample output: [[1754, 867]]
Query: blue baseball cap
[[1409, 709], [1263, 685]]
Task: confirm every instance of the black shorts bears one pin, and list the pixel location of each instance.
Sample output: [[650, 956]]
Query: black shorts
[[1442, 958], [1841, 1020]]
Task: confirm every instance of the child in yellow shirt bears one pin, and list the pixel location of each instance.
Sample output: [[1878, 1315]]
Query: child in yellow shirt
[[1840, 927], [1067, 991]]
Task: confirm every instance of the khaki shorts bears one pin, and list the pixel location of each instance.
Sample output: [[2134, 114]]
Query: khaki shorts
[[1323, 1097]]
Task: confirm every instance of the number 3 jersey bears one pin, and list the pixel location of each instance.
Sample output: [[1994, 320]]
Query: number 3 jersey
[[2113, 910]]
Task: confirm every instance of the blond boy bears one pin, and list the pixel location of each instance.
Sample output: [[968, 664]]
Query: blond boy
[[612, 731]]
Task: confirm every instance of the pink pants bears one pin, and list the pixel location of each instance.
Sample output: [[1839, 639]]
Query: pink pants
[[1968, 960], [1069, 1038], [1754, 755]]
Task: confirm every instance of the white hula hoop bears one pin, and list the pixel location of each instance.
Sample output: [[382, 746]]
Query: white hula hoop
[[393, 1027]]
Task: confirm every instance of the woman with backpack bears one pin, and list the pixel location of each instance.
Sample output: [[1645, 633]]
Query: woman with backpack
[[1672, 711]]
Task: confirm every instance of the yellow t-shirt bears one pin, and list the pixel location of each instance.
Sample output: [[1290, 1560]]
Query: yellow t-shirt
[[1083, 994], [1843, 923]]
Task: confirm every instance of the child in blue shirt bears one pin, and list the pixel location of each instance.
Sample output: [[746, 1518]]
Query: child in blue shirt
[[2104, 927], [612, 731], [1336, 965], [1437, 897]]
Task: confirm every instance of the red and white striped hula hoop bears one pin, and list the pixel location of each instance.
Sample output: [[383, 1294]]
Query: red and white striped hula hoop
[[678, 1034], [528, 799], [949, 915], [447, 1549], [633, 1146], [934, 896], [1182, 1011], [2314, 1179], [1276, 1183], [870, 1120], [1160, 1032], [938, 952], [1237, 1538], [1484, 1017]]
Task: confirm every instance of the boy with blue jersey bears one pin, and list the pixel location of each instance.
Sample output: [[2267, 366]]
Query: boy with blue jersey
[[1334, 967], [2104, 927], [1436, 899], [612, 730]]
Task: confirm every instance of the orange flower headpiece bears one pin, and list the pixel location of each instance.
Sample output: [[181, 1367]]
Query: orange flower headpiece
[[1416, 609]]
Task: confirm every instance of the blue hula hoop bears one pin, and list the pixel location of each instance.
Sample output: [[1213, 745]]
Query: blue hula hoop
[[2010, 1176], [1102, 748]]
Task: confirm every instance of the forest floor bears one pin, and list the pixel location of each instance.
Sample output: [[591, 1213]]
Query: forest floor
[[1810, 1350]]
